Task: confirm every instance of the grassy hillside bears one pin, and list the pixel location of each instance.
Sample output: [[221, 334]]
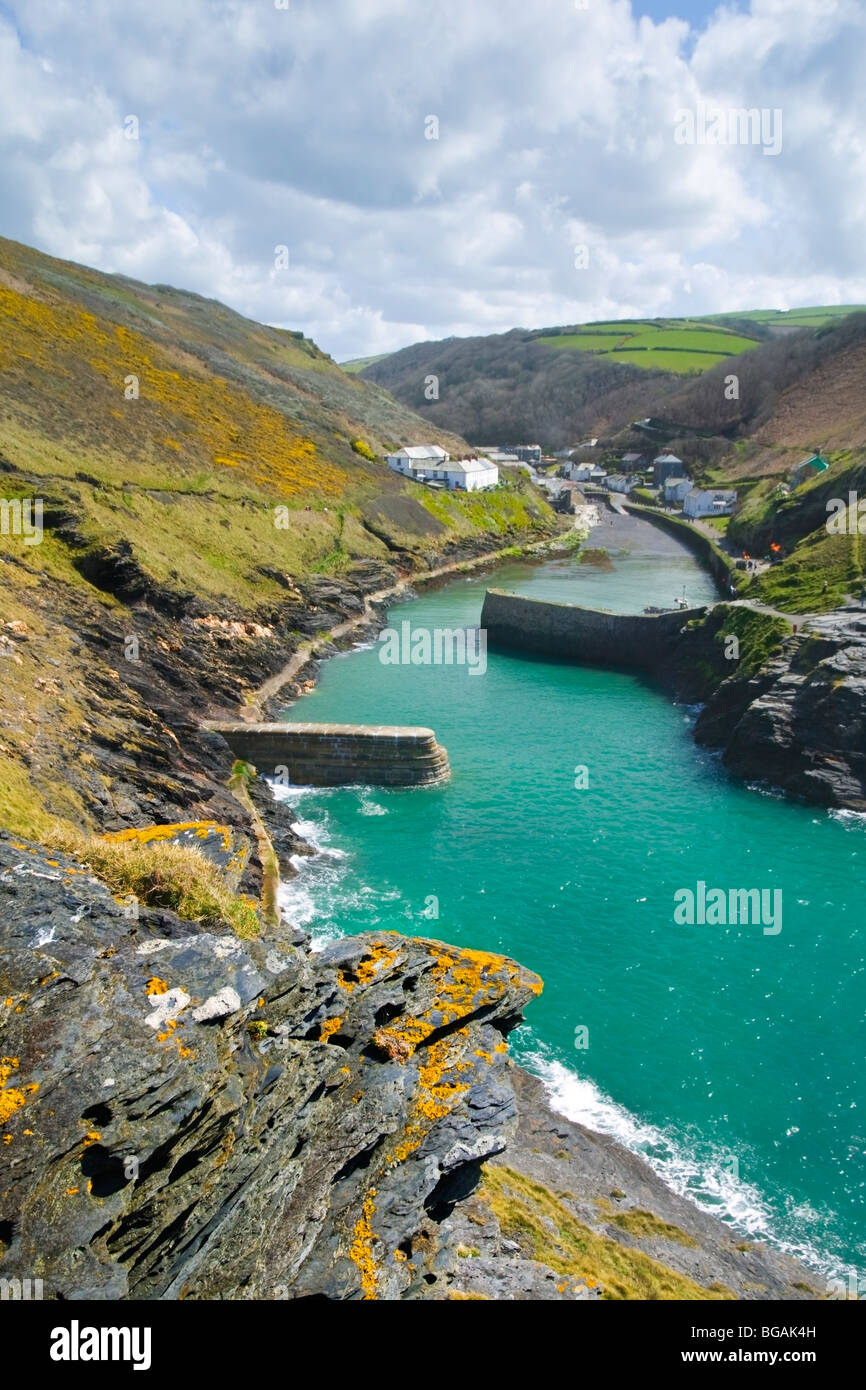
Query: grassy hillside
[[357, 364], [213, 488], [154, 416]]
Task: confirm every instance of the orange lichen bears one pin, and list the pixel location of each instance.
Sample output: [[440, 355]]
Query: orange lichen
[[436, 1096], [376, 959], [361, 1249], [12, 1098], [91, 1137], [329, 1028], [153, 834], [156, 986]]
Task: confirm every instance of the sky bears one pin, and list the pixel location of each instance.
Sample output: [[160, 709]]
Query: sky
[[380, 172]]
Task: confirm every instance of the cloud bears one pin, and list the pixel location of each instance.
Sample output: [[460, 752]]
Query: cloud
[[307, 127]]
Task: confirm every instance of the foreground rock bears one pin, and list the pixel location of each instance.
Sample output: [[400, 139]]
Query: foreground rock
[[184, 1114], [188, 1115]]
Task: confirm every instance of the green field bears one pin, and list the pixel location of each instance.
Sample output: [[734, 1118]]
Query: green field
[[585, 342], [668, 345], [812, 317], [357, 364]]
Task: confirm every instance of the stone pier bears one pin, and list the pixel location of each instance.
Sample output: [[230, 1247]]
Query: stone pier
[[593, 636], [336, 755]]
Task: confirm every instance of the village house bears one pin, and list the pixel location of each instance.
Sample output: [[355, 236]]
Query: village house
[[620, 483], [708, 502], [807, 468], [586, 473], [414, 457], [666, 466], [633, 463], [428, 463], [527, 453], [471, 475], [499, 456], [676, 489]]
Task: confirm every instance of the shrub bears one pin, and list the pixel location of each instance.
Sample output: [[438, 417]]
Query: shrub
[[363, 449]]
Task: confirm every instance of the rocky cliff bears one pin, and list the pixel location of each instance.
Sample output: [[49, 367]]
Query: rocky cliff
[[187, 1114], [789, 708]]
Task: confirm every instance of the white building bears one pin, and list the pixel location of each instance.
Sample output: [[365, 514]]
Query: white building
[[470, 475], [586, 473], [413, 457], [428, 463], [676, 488], [708, 502], [620, 483]]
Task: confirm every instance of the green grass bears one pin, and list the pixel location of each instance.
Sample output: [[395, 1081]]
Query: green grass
[[673, 345], [357, 364], [546, 1230], [819, 574], [584, 342], [644, 1225], [812, 317], [688, 339], [161, 874]]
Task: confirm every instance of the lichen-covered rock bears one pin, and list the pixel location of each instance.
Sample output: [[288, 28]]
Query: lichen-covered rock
[[312, 1141]]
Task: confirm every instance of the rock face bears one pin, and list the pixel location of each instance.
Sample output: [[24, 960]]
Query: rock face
[[800, 721], [185, 1114]]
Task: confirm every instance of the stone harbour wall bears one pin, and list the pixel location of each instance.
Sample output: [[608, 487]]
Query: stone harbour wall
[[335, 755], [590, 635]]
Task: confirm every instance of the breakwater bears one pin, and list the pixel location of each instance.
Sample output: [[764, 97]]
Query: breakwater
[[338, 755], [589, 635]]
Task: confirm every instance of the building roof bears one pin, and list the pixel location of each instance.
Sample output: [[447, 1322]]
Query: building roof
[[666, 458], [630, 458], [470, 466], [422, 451], [814, 461]]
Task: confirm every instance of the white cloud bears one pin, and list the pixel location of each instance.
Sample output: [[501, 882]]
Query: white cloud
[[305, 127]]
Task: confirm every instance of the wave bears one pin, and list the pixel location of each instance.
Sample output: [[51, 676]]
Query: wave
[[324, 893], [709, 1181]]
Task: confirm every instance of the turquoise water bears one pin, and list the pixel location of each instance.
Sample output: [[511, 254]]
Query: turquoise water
[[730, 1058]]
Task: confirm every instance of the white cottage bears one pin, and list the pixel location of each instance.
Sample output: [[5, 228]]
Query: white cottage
[[417, 458], [709, 502], [676, 488], [428, 463], [471, 475]]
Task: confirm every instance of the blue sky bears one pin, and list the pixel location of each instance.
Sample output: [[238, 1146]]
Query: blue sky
[[446, 168]]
